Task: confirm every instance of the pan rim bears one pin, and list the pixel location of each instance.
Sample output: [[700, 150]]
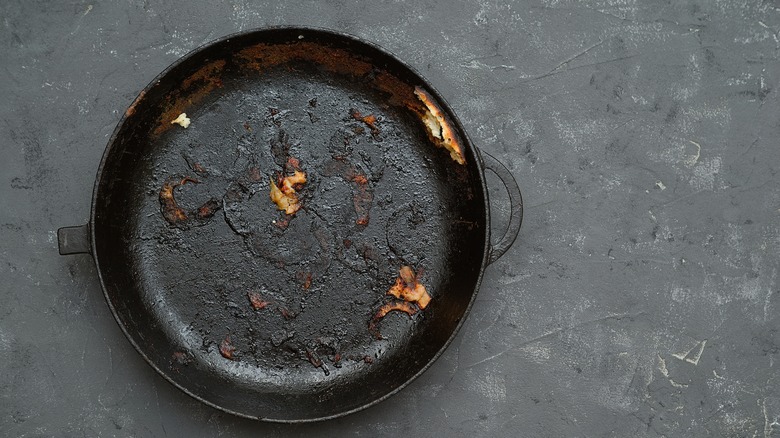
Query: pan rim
[[475, 155]]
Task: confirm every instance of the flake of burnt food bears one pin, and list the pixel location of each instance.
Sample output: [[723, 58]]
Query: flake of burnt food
[[369, 120], [195, 166], [439, 129], [173, 213], [407, 288], [284, 192], [256, 300], [170, 209], [226, 348]]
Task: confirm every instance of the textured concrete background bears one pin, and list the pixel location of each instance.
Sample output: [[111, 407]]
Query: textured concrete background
[[641, 298]]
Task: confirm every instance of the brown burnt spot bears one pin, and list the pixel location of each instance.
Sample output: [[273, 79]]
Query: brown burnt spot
[[131, 109], [362, 192], [362, 198], [286, 313], [369, 120], [256, 300], [282, 224], [168, 206], [226, 348], [254, 174], [263, 56], [398, 92], [247, 127], [305, 278], [210, 73], [207, 210], [368, 359], [292, 165]]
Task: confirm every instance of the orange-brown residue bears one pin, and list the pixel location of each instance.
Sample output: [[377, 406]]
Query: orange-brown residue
[[264, 56], [226, 348], [362, 197], [369, 120], [170, 209], [131, 109], [256, 300]]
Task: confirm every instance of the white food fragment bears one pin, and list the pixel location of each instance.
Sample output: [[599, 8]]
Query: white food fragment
[[182, 120]]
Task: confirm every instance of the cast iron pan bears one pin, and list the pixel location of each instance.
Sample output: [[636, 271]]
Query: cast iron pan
[[269, 315]]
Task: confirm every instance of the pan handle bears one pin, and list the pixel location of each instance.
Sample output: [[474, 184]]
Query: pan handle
[[74, 240], [516, 206]]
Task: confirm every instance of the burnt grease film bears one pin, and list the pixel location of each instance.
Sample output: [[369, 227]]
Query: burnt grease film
[[322, 222]]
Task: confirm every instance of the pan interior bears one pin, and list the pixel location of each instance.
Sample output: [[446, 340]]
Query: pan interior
[[378, 196]]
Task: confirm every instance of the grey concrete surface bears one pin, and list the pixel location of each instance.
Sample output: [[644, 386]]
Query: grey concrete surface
[[641, 298]]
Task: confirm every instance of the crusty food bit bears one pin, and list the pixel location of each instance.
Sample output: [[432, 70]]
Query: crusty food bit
[[170, 210], [182, 120], [400, 306], [226, 348], [284, 195], [439, 129], [256, 300], [369, 120], [408, 289]]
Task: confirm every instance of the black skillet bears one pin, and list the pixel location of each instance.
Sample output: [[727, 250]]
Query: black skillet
[[180, 278]]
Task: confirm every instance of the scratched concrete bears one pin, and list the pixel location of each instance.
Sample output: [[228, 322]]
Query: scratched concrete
[[641, 298]]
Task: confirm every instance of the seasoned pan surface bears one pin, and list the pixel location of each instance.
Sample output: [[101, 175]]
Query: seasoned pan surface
[[267, 314]]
